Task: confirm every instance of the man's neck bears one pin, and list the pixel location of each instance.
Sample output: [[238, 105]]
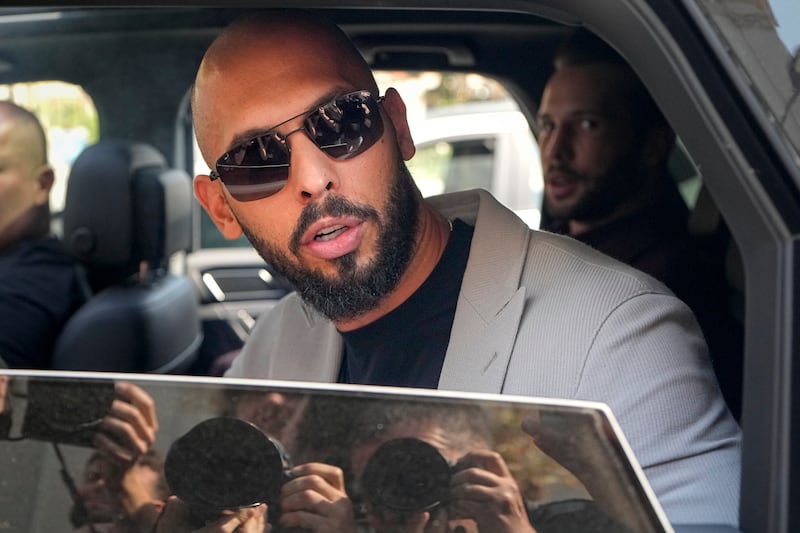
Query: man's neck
[[431, 239], [626, 208], [33, 224]]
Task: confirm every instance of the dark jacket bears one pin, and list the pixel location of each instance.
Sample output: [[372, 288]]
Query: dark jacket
[[40, 288], [656, 240]]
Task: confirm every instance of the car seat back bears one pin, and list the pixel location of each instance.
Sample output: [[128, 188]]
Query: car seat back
[[126, 214]]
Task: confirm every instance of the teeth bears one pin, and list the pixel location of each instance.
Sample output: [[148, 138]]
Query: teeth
[[329, 233]]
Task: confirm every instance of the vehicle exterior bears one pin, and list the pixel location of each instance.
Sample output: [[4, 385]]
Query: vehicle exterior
[[485, 145], [725, 73]]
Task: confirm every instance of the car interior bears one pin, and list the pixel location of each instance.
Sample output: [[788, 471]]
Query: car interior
[[197, 303], [126, 214]]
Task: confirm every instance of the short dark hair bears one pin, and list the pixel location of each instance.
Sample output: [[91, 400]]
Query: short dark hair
[[582, 47], [466, 425]]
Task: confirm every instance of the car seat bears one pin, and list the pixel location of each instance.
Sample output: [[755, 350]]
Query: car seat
[[126, 214]]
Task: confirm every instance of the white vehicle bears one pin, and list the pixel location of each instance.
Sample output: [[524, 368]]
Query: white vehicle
[[487, 145]]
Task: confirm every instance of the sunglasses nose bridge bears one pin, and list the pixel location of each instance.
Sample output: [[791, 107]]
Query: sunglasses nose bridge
[[312, 171], [285, 137]]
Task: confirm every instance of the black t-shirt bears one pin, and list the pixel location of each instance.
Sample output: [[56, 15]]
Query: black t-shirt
[[407, 346], [39, 290]]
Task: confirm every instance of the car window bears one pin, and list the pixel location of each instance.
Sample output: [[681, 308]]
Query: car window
[[230, 445], [763, 42]]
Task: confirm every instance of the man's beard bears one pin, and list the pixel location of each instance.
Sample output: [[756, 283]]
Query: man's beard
[[625, 180], [356, 290]]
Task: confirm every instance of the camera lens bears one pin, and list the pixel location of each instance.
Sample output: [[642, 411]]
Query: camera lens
[[406, 475], [225, 463]]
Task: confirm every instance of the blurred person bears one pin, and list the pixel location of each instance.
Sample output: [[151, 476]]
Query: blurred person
[[481, 493], [394, 289], [39, 283], [604, 148], [123, 487], [111, 495], [276, 413], [224, 464]]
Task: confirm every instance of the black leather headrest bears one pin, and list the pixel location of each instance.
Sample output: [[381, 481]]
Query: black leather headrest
[[124, 206]]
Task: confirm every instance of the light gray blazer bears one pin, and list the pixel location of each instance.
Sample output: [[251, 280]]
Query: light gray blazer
[[544, 315]]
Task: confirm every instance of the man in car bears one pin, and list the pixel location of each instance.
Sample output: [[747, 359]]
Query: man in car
[[39, 284], [454, 292], [604, 148]]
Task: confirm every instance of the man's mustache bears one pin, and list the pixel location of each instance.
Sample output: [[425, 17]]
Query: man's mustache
[[331, 206], [563, 170]]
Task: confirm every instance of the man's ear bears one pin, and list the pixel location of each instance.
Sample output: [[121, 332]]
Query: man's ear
[[396, 109], [212, 198], [657, 145], [45, 178]]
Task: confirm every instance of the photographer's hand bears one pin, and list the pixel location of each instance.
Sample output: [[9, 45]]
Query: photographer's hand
[[485, 492], [130, 427], [177, 518], [135, 500], [573, 444], [315, 499]]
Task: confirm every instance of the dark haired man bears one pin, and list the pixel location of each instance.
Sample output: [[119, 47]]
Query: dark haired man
[[604, 147], [454, 292]]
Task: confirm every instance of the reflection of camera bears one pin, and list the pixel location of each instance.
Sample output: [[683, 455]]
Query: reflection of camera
[[406, 475], [68, 412], [226, 463]]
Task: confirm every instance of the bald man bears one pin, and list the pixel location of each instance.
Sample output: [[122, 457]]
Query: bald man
[[39, 286], [453, 292]]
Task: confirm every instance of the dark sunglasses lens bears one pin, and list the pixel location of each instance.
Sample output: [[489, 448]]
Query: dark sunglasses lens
[[343, 129], [256, 169], [253, 183], [347, 126]]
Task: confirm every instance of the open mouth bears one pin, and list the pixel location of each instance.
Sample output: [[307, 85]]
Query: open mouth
[[330, 233]]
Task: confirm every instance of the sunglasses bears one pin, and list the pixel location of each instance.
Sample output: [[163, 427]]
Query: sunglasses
[[343, 128]]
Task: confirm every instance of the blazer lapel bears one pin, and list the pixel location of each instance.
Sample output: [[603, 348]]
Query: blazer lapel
[[491, 301], [479, 352]]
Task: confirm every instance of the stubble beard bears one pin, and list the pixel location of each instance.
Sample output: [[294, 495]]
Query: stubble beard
[[612, 189], [355, 289]]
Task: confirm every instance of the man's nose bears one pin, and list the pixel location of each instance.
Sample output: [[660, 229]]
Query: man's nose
[[559, 143], [311, 171]]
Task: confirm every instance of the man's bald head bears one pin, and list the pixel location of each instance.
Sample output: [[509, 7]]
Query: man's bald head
[[274, 45], [25, 132], [25, 176]]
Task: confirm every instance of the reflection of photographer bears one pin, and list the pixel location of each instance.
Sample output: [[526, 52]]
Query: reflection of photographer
[[111, 496], [117, 419], [226, 473], [445, 452], [428, 467]]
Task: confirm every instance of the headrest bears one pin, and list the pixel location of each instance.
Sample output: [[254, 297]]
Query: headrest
[[124, 206]]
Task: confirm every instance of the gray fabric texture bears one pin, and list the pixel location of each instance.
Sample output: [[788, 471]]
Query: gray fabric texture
[[543, 315]]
